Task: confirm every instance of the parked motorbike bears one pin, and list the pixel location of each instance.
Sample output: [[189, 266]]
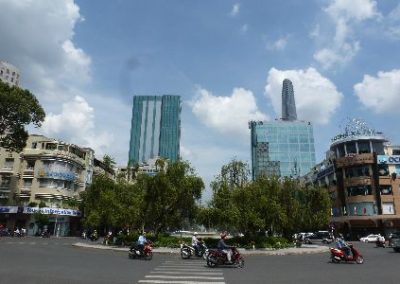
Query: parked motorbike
[[45, 234], [218, 257], [17, 234], [147, 253], [338, 255], [94, 236], [380, 243], [187, 251]]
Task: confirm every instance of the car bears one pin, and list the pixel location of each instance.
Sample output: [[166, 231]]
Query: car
[[320, 235], [371, 238], [394, 241]]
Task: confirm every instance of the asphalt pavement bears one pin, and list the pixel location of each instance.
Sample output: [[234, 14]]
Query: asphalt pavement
[[56, 260]]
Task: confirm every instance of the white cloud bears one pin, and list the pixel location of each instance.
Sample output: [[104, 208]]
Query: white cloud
[[228, 115], [76, 124], [244, 28], [279, 44], [392, 27], [40, 44], [344, 14], [381, 93], [315, 32], [235, 10], [316, 97], [358, 10]]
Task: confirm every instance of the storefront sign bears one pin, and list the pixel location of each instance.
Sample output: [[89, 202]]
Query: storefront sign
[[390, 160], [8, 209], [52, 211]]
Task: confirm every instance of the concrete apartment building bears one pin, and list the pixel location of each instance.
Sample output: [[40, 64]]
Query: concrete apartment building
[[49, 171], [9, 74], [362, 174]]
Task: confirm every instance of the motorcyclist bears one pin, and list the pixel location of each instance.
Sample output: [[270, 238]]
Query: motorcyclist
[[224, 247], [195, 242], [342, 245], [142, 240]]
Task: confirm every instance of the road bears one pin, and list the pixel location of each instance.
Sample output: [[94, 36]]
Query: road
[[37, 260]]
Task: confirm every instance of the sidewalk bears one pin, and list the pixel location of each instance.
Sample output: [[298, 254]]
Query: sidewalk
[[305, 249]]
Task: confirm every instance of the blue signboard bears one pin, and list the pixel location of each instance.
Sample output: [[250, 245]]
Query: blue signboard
[[390, 160]]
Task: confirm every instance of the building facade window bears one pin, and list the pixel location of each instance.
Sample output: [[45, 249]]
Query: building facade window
[[385, 189], [359, 190], [9, 164]]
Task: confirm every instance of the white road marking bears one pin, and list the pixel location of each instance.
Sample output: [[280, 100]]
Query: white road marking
[[178, 282]]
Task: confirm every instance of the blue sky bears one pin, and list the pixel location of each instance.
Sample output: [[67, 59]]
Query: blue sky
[[85, 60]]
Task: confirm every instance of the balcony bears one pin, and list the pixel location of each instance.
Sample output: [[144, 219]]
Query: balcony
[[26, 189], [357, 181], [360, 198], [28, 172], [4, 186], [355, 159], [6, 170], [4, 196]]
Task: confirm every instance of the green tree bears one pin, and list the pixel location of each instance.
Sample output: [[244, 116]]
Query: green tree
[[227, 206], [170, 197], [109, 163], [18, 108], [280, 206]]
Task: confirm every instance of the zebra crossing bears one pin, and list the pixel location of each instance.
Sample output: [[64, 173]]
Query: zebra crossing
[[184, 272]]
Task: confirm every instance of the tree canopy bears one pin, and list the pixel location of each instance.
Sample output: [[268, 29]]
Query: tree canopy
[[267, 204], [18, 108], [165, 200]]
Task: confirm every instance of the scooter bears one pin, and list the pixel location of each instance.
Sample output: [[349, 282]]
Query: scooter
[[218, 257], [45, 234], [187, 251], [147, 253], [338, 255], [380, 244]]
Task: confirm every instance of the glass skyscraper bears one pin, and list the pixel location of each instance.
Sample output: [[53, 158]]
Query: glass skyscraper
[[156, 128], [288, 103], [281, 148], [284, 147]]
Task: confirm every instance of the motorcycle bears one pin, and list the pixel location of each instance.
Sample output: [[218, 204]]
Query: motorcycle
[[187, 251], [94, 237], [338, 255], [218, 257], [380, 243], [45, 234], [147, 254]]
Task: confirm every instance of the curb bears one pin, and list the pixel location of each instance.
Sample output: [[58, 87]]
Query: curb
[[279, 252]]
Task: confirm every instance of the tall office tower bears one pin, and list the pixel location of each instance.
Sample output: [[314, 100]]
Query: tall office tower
[[156, 128], [285, 147], [288, 102], [9, 74], [281, 148]]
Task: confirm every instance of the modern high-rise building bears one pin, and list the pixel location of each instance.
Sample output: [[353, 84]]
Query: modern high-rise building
[[288, 102], [285, 147], [281, 148], [156, 128], [9, 74]]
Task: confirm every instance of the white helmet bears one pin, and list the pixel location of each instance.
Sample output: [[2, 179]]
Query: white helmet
[[195, 233]]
